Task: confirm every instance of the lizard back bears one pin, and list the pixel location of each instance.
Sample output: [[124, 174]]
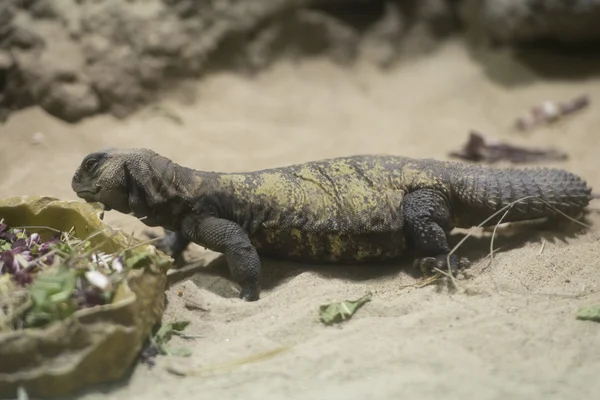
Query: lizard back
[[344, 209]]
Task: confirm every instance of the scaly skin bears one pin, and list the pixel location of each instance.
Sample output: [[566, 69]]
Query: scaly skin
[[343, 210]]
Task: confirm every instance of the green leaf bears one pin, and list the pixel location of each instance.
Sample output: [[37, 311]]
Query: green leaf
[[340, 311], [145, 259], [165, 332], [4, 245], [62, 248], [137, 260], [38, 295], [590, 313], [51, 295], [179, 325]]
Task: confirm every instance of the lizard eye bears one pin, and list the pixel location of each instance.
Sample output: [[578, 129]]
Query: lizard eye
[[90, 164]]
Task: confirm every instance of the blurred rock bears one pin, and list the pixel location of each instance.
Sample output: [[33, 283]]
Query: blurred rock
[[573, 22], [76, 58]]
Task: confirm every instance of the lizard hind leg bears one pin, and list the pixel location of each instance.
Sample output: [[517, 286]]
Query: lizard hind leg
[[427, 223]]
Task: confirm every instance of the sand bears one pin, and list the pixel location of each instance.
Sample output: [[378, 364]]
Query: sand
[[512, 334]]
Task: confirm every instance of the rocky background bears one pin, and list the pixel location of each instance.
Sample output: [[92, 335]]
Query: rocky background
[[77, 58]]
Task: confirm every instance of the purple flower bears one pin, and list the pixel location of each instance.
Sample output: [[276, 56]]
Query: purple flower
[[3, 228], [19, 246], [27, 255], [34, 239], [46, 246], [22, 278], [11, 265], [8, 236]]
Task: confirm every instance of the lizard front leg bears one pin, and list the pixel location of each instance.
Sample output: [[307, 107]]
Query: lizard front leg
[[227, 237], [427, 223]]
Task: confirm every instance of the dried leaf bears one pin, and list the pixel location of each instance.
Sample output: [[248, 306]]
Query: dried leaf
[[550, 111], [340, 311], [481, 149], [589, 313]]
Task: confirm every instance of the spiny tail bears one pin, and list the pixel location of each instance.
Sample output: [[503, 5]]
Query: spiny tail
[[481, 191]]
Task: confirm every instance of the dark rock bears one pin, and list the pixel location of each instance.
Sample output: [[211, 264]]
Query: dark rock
[[6, 62], [42, 9], [572, 22], [76, 58], [70, 102], [24, 38], [121, 53]]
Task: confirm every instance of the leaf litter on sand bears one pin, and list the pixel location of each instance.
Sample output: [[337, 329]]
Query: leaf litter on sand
[[489, 150], [157, 341], [589, 313], [343, 310], [550, 111]]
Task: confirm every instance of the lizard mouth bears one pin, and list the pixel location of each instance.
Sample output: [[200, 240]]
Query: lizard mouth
[[86, 194]]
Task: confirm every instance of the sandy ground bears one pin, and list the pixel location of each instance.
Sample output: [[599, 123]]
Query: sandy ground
[[513, 334]]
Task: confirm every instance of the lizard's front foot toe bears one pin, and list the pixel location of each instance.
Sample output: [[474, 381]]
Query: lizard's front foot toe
[[428, 265], [250, 292]]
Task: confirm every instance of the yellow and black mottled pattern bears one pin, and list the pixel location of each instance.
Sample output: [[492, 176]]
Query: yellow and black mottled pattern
[[338, 210], [349, 209]]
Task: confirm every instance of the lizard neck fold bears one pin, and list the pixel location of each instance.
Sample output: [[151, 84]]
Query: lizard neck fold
[[169, 192]]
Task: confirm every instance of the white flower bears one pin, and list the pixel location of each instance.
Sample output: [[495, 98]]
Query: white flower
[[117, 265], [98, 279], [34, 238]]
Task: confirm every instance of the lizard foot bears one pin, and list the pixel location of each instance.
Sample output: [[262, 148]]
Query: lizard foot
[[250, 291], [427, 265]]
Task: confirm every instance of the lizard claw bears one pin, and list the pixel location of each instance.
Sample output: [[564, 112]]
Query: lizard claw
[[427, 265], [250, 291]]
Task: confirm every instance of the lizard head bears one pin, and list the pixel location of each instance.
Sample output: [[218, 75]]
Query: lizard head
[[102, 177]]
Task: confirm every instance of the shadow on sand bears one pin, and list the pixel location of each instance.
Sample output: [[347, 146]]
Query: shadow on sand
[[215, 277]]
